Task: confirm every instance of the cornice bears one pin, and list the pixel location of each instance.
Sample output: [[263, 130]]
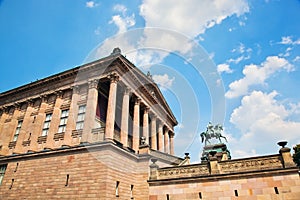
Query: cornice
[[227, 176]]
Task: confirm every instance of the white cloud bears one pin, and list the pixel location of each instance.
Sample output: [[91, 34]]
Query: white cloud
[[91, 4], [120, 8], [191, 18], [257, 74], [289, 41], [163, 81], [287, 52], [241, 49], [123, 23], [296, 59], [224, 68], [238, 59], [261, 118]]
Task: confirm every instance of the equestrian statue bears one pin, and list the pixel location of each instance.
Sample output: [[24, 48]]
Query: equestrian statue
[[212, 132]]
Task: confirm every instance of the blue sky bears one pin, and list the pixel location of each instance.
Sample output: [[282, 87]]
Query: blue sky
[[229, 62]]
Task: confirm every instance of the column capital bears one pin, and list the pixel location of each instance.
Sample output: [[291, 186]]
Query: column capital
[[137, 101], [43, 98], [160, 122], [171, 134], [59, 93], [93, 83], [17, 105], [127, 90], [152, 115], [146, 110], [75, 89], [6, 109], [113, 77], [30, 102], [166, 130]]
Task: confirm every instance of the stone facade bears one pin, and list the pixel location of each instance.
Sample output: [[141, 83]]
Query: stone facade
[[104, 131], [264, 177]]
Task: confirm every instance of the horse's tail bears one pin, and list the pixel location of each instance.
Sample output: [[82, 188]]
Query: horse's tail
[[202, 136]]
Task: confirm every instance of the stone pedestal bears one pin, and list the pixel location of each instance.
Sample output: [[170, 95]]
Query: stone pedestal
[[222, 152]]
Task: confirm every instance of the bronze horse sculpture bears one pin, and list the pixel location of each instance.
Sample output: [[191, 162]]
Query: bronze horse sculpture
[[212, 132]]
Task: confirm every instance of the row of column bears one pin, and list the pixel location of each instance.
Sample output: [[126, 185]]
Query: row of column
[[162, 140]]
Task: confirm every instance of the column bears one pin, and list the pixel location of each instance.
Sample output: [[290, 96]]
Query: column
[[91, 105], [15, 120], [39, 122], [56, 114], [171, 134], [146, 124], [2, 118], [26, 128], [160, 137], [136, 125], [71, 125], [74, 107], [153, 133], [125, 115], [166, 140], [111, 107]]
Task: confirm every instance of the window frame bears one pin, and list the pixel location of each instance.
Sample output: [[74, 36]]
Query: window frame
[[17, 131], [63, 121], [80, 117], [47, 122], [2, 172]]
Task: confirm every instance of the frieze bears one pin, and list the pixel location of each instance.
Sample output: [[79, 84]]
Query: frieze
[[183, 171], [251, 165]]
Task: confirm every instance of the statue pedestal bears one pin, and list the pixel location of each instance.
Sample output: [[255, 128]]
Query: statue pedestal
[[222, 152]]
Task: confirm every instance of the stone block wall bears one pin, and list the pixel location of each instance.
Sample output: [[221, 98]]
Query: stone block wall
[[80, 174], [273, 187]]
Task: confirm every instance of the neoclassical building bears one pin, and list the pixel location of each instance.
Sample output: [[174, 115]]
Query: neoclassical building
[[103, 130], [107, 100]]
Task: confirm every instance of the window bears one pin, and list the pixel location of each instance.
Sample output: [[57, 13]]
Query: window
[[46, 124], [131, 192], [117, 188], [16, 135], [276, 190], [236, 193], [63, 121], [2, 172], [80, 117]]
